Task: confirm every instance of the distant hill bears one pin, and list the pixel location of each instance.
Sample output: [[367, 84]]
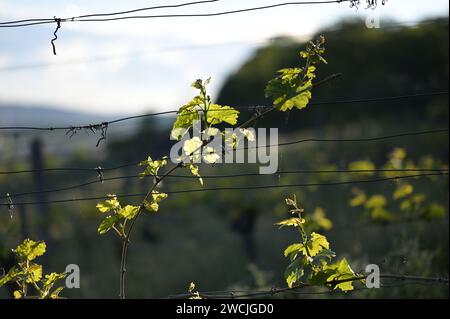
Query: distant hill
[[12, 115], [55, 142], [374, 63]]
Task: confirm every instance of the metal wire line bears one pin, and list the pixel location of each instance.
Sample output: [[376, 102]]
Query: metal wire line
[[201, 190], [98, 126], [102, 17], [72, 19], [226, 176], [237, 294], [369, 139]]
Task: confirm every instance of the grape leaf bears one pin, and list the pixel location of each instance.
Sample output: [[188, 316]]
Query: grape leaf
[[217, 114], [29, 249], [108, 205]]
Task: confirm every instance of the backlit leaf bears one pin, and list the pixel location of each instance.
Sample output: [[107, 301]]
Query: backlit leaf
[[108, 205], [217, 114], [403, 190], [29, 249]]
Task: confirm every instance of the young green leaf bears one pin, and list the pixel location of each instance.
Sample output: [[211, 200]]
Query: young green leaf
[[294, 222], [108, 205], [343, 271], [34, 273], [293, 250], [217, 114], [292, 87], [153, 167], [317, 243], [13, 275], [17, 294], [108, 223], [434, 211], [129, 212], [381, 214], [29, 249], [153, 206], [319, 218], [376, 201], [359, 199], [403, 190], [195, 171]]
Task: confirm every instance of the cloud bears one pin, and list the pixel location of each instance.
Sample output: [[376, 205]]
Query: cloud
[[130, 66], [4, 60]]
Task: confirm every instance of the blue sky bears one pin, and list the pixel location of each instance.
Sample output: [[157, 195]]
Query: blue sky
[[150, 64]]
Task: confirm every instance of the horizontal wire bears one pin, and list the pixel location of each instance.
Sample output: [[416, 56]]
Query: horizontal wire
[[353, 140], [369, 139], [226, 176], [201, 190], [236, 294], [72, 19], [248, 108], [231, 294], [30, 22], [214, 14], [143, 9]]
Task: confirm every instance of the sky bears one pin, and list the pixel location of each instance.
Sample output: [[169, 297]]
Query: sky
[[134, 66]]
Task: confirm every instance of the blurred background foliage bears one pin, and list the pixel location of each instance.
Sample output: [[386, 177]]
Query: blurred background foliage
[[227, 240]]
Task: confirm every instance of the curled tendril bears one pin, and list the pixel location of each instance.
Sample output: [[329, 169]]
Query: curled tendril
[[58, 26]]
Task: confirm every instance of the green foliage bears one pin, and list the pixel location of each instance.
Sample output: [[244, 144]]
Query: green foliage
[[194, 149], [28, 275], [195, 171], [118, 216], [108, 205], [292, 87], [311, 260], [319, 220], [217, 114], [29, 250], [194, 294], [408, 203], [363, 166], [295, 222], [157, 197], [152, 167], [403, 190], [391, 55], [201, 107]]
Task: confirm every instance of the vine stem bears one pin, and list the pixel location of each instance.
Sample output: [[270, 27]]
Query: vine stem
[[126, 238]]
